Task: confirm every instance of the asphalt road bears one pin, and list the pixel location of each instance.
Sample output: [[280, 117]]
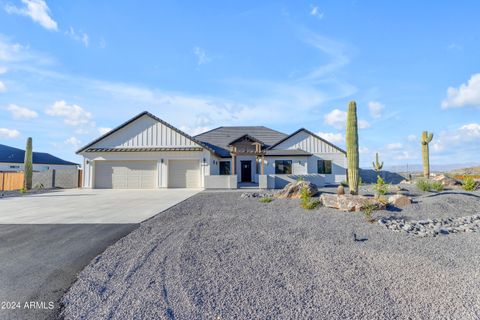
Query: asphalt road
[[38, 263]]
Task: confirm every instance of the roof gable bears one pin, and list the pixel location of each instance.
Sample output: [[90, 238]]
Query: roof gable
[[318, 145], [144, 131]]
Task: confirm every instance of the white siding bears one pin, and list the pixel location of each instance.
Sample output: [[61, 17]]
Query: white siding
[[299, 164], [307, 142], [145, 132], [5, 166]]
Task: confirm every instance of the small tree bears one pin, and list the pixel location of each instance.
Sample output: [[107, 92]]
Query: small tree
[[28, 166]]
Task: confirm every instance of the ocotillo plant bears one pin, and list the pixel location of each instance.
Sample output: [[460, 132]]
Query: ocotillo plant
[[377, 165], [352, 147], [426, 139], [28, 166]]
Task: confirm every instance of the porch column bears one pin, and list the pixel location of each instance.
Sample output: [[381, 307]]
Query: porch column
[[233, 164], [263, 164]]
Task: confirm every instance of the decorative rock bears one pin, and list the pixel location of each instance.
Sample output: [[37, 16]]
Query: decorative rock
[[247, 195], [399, 200], [349, 202], [340, 190], [293, 190], [446, 181]]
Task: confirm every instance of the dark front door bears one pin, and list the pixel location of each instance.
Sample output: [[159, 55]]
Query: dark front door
[[246, 171]]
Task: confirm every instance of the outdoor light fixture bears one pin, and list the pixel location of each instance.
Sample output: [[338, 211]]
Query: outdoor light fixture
[[161, 160]]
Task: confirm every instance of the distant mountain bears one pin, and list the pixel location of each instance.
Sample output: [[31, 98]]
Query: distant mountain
[[414, 168]]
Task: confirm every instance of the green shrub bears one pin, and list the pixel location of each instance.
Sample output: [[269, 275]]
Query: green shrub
[[367, 210], [23, 190], [344, 184], [437, 186], [423, 185], [265, 200], [306, 201], [381, 188], [469, 184]]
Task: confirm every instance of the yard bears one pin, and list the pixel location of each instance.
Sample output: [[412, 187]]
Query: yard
[[219, 256]]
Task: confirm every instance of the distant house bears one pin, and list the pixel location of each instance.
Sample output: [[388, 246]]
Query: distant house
[[147, 153], [11, 159]]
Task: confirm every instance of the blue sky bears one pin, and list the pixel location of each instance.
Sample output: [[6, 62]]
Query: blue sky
[[69, 71]]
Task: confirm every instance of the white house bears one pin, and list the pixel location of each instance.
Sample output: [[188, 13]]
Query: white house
[[11, 159], [146, 153]]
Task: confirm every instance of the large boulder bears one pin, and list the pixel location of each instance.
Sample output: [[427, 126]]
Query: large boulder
[[349, 202], [399, 200], [293, 190], [446, 181]]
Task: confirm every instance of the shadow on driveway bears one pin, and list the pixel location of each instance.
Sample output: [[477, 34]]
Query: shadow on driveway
[[39, 262]]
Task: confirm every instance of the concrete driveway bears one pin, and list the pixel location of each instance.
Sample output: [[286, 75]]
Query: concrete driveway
[[77, 206], [46, 239]]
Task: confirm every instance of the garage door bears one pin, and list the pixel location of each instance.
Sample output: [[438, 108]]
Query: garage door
[[125, 174], [183, 174]]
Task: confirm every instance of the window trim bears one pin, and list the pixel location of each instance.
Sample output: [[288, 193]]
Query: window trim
[[289, 162], [324, 167]]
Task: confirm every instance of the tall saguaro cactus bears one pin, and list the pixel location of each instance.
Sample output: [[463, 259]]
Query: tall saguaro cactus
[[377, 165], [352, 147], [28, 166], [426, 139]]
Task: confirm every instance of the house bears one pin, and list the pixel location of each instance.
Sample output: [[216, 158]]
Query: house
[[11, 159], [147, 153]]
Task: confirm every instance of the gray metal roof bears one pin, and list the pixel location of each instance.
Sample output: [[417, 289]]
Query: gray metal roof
[[149, 149], [289, 152], [15, 155], [219, 138]]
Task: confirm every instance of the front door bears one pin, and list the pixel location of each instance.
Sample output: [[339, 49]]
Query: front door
[[246, 171]]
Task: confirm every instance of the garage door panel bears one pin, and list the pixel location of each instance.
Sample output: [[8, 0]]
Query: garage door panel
[[184, 174], [125, 174]]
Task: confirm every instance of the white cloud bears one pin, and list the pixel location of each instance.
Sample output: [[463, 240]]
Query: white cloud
[[338, 119], [376, 109], [465, 137], [3, 88], [332, 137], [466, 95], [72, 115], [3, 70], [412, 137], [316, 12], [21, 112], [78, 36], [363, 150], [394, 146], [9, 133], [74, 142], [37, 10], [201, 55], [104, 130]]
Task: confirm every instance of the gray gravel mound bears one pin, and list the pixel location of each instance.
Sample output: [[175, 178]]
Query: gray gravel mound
[[216, 256]]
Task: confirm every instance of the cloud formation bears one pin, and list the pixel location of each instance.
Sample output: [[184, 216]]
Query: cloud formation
[[9, 133], [316, 12], [78, 36], [37, 10], [468, 94], [72, 115], [338, 119], [376, 108], [103, 130], [21, 112], [74, 142], [201, 55], [3, 87], [332, 137]]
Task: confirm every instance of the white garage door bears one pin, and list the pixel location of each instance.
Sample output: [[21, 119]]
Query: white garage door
[[183, 174], [125, 174]]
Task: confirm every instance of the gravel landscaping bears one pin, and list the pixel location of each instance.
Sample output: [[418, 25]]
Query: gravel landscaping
[[220, 256]]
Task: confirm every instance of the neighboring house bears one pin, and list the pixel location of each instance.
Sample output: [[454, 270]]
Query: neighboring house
[[146, 153], [11, 159]]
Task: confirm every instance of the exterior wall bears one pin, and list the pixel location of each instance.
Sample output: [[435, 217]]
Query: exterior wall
[[162, 159], [278, 181], [5, 166], [145, 132], [320, 151], [66, 179], [221, 182], [238, 167], [299, 164]]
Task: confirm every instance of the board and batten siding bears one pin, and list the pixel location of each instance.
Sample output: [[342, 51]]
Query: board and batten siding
[[145, 132], [307, 142]]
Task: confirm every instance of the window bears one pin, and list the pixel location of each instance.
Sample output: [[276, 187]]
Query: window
[[224, 167], [324, 166], [283, 166], [14, 167]]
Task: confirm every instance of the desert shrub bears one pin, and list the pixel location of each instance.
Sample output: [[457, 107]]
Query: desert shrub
[[437, 186], [306, 201], [344, 184], [381, 188], [23, 190], [469, 184], [300, 179], [367, 210], [360, 181], [265, 200], [423, 185], [39, 186]]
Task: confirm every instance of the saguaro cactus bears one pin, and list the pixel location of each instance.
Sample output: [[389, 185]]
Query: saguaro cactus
[[377, 165], [426, 139], [352, 147], [28, 166]]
